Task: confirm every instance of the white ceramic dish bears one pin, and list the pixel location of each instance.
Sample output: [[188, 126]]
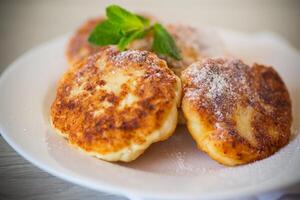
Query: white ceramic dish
[[173, 169]]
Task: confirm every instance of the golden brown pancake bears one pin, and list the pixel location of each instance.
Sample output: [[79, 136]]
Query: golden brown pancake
[[193, 44], [113, 104], [237, 114]]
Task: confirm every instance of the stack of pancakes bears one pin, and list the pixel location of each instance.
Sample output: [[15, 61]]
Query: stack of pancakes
[[114, 105]]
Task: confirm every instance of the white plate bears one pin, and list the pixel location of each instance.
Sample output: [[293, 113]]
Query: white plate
[[173, 169]]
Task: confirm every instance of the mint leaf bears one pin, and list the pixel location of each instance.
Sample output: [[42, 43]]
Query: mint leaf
[[163, 42], [105, 33], [144, 20], [122, 27], [125, 40], [127, 21]]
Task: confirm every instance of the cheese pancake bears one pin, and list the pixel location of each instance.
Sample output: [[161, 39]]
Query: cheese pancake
[[114, 105], [78, 46], [193, 44], [236, 114]]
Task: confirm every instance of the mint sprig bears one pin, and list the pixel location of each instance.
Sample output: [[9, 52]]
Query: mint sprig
[[105, 33], [122, 27], [126, 21], [163, 42]]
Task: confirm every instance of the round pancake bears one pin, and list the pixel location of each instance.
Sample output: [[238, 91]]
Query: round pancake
[[78, 46], [193, 44], [113, 104], [236, 114]]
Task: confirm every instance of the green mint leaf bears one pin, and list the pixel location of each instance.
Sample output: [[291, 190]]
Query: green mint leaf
[[129, 38], [144, 20], [144, 33], [126, 20], [122, 27], [105, 33], [163, 42]]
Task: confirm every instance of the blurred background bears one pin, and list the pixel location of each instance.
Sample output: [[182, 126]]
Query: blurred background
[[27, 23]]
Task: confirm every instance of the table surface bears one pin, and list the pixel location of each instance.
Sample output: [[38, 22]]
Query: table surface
[[25, 24]]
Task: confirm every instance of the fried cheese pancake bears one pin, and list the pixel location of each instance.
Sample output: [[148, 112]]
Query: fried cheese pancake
[[236, 114], [193, 44], [78, 46], [114, 105]]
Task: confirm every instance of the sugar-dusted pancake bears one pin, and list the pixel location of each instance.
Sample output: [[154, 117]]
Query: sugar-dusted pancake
[[236, 114], [78, 46], [193, 44], [114, 105]]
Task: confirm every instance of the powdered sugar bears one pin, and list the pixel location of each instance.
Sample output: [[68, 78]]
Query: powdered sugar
[[217, 84], [208, 79], [205, 41], [132, 55], [187, 35]]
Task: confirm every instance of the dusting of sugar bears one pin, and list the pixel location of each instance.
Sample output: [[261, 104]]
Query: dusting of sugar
[[216, 83], [132, 55], [217, 87], [192, 94], [205, 41], [145, 58], [187, 35]]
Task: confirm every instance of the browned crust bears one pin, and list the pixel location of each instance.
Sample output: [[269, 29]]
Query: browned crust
[[258, 87], [115, 128]]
